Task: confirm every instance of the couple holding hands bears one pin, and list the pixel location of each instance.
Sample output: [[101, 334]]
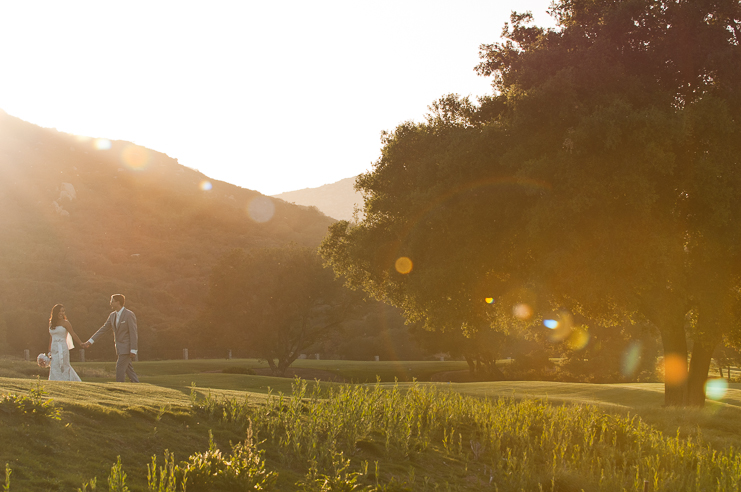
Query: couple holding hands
[[122, 322]]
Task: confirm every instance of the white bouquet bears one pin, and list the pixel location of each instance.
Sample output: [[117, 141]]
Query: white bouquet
[[43, 360]]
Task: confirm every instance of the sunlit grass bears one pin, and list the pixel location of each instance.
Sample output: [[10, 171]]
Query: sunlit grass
[[438, 432]]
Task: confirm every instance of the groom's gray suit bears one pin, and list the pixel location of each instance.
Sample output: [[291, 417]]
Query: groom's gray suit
[[126, 339]]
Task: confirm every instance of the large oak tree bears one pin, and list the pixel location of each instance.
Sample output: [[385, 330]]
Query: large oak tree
[[601, 176]]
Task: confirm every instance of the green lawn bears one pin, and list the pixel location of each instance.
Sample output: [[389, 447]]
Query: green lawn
[[102, 419]]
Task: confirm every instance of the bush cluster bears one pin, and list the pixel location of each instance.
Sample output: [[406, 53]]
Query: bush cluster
[[32, 406]]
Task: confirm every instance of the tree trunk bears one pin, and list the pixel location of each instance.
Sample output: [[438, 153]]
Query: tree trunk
[[273, 367], [282, 367], [471, 365], [675, 353], [494, 372], [285, 363], [702, 353], [489, 364]]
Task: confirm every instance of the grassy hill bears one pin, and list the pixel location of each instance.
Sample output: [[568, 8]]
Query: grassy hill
[[384, 436], [83, 218]]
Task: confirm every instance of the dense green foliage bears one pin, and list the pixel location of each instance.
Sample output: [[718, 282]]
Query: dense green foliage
[[139, 224], [599, 180]]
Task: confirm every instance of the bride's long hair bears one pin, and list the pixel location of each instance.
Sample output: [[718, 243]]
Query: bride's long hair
[[55, 315]]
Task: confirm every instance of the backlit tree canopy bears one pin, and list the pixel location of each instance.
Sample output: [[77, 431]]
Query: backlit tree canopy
[[602, 175]]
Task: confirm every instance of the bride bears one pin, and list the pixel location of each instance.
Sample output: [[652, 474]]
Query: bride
[[60, 342]]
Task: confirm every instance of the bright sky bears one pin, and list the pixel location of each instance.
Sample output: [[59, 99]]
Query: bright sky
[[271, 96]]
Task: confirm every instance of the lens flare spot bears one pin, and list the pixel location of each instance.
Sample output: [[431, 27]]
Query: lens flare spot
[[205, 185], [716, 388], [403, 265], [631, 358], [579, 338], [522, 311], [261, 209], [550, 323], [135, 157], [675, 370], [102, 144], [563, 328], [490, 300]]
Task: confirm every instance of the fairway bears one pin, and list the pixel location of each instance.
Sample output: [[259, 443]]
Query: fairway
[[219, 374]]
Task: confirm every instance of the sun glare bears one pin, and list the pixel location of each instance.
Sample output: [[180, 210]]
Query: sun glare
[[102, 144], [135, 157], [490, 300], [550, 323], [522, 311], [631, 358], [403, 265], [579, 338], [716, 388], [261, 209], [675, 370], [205, 185]]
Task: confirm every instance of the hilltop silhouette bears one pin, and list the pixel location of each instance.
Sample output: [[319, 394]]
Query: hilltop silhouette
[[337, 200], [82, 218]]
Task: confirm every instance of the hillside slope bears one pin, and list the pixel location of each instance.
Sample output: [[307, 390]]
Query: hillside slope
[[84, 218], [337, 200]]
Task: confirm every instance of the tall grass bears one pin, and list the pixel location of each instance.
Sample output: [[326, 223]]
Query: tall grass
[[512, 445], [419, 437]]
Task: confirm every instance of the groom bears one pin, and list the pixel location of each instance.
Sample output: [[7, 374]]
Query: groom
[[123, 324]]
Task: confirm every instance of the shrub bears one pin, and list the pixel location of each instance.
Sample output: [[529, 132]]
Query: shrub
[[340, 480], [244, 469], [33, 406]]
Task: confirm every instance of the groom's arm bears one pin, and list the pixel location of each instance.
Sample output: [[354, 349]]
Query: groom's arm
[[133, 334], [108, 326]]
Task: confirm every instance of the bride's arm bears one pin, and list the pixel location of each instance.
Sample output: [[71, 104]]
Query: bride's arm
[[68, 326], [49, 352]]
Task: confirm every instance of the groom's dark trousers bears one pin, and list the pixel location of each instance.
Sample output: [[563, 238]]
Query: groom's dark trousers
[[125, 367]]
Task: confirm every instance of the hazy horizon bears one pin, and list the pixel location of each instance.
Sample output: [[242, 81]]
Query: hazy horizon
[[273, 98]]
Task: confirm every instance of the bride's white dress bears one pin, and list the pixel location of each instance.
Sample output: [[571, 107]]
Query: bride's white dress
[[60, 369]]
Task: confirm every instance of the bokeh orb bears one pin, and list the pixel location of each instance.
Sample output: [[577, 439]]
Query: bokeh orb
[[102, 144], [135, 157], [403, 265], [522, 311], [261, 209], [579, 338], [675, 370], [205, 185], [631, 358], [716, 388]]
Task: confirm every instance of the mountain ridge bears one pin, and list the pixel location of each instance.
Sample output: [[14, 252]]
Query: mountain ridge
[[337, 200], [84, 218]]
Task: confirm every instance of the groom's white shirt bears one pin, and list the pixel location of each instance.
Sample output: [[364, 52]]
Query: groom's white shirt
[[118, 317]]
